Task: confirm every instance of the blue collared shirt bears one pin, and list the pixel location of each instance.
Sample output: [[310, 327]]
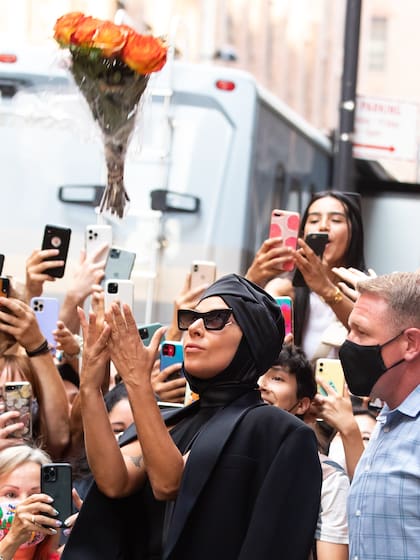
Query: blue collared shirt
[[384, 497]]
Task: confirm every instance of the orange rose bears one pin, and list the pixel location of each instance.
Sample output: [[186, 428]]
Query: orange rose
[[65, 26], [144, 54], [110, 38], [85, 32]]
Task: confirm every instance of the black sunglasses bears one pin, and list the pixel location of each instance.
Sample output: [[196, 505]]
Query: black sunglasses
[[214, 320]]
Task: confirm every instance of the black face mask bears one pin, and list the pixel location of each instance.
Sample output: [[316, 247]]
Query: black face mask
[[363, 365]]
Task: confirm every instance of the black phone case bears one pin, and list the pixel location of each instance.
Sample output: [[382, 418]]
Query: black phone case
[[56, 481], [56, 237], [4, 286], [317, 243]]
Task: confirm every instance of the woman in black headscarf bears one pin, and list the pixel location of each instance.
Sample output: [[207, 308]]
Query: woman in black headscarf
[[232, 478]]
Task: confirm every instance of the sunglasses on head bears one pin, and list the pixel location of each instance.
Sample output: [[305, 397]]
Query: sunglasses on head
[[214, 320]]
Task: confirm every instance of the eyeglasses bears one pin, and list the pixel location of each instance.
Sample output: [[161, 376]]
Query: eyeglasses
[[214, 320]]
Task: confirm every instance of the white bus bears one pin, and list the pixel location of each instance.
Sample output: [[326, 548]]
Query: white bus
[[212, 155]]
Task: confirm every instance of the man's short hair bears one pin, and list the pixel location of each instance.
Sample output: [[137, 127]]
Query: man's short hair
[[401, 292]]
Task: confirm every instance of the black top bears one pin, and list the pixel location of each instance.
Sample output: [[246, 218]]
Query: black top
[[251, 485]]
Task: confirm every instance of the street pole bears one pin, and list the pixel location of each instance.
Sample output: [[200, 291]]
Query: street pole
[[342, 171]]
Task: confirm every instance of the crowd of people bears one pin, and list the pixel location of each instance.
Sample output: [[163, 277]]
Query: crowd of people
[[270, 461]]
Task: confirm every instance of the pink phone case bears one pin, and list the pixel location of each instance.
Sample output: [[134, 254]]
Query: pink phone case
[[285, 224]]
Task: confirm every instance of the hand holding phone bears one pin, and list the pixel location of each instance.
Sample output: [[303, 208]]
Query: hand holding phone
[[317, 241], [56, 481], [18, 397], [171, 352], [56, 237], [331, 371], [285, 224]]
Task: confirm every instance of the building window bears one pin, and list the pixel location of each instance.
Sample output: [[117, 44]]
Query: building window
[[377, 43]]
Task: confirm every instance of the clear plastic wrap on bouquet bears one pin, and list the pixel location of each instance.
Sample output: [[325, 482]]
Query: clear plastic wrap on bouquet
[[111, 65]]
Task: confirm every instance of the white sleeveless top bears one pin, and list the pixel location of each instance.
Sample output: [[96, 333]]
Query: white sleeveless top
[[320, 318]]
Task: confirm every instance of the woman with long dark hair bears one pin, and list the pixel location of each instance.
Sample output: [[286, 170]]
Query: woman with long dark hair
[[321, 309]]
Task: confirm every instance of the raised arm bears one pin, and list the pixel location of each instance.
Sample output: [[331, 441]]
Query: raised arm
[[116, 474], [49, 389], [87, 276], [36, 271], [320, 280], [269, 261], [134, 361], [337, 411]]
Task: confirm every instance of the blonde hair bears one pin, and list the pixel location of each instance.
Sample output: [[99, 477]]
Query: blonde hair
[[13, 457], [401, 292]]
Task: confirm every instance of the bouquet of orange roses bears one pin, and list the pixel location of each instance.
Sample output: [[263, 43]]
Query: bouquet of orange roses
[[111, 65]]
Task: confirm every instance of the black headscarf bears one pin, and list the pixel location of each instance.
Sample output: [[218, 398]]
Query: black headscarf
[[262, 325]]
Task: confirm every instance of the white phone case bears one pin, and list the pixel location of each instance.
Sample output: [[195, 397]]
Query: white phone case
[[119, 290], [202, 272], [96, 236]]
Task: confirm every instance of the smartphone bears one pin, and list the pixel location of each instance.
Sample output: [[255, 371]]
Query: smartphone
[[46, 310], [1, 263], [147, 331], [119, 264], [17, 395], [56, 481], [4, 286], [286, 307], [57, 237], [96, 236], [202, 272], [171, 352], [331, 370], [119, 290], [285, 224], [317, 242]]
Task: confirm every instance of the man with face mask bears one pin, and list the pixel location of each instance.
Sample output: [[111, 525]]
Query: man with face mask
[[381, 359]]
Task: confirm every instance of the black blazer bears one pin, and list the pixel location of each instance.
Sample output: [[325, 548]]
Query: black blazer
[[250, 489]]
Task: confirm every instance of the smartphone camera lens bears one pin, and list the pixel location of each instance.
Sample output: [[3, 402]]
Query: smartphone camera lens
[[168, 350], [114, 253], [144, 333], [50, 474], [195, 267], [113, 288]]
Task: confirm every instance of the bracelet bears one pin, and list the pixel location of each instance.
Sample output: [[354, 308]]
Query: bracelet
[[335, 298], [44, 348]]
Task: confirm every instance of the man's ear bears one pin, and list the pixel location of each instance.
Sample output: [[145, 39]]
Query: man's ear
[[303, 406], [412, 350]]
